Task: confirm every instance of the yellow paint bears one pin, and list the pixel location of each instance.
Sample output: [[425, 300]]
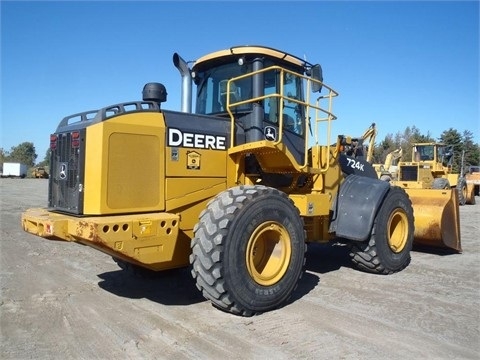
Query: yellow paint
[[125, 165]]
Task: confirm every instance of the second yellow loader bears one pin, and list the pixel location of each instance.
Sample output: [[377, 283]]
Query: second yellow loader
[[436, 193]]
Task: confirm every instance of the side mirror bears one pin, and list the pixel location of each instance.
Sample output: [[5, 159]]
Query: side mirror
[[317, 74]]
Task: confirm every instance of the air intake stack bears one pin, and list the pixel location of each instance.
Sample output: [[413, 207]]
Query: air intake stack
[[154, 92]]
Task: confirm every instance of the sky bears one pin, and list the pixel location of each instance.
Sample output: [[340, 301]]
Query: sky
[[395, 63]]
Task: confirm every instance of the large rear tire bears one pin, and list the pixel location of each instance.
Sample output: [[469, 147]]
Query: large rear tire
[[248, 252], [462, 191], [388, 249]]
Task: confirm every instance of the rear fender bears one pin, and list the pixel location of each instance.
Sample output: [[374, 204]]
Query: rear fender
[[356, 206]]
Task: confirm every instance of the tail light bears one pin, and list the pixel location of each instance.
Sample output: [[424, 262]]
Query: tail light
[[75, 139], [75, 136], [53, 141]]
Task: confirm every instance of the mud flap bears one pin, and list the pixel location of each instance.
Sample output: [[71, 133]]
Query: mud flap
[[356, 206], [437, 218]]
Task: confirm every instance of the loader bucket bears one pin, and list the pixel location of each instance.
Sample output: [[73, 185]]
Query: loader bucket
[[437, 218]]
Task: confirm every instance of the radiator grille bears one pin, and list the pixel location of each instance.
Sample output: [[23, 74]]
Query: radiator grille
[[67, 172], [409, 173]]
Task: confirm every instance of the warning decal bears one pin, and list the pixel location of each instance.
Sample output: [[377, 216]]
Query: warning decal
[[193, 160]]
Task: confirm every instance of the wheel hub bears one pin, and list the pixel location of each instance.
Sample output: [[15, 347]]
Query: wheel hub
[[268, 253], [397, 231]]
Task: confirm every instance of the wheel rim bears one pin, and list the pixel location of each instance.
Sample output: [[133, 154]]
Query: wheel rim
[[397, 231], [268, 253]]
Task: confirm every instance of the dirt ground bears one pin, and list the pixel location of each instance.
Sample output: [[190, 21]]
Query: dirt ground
[[67, 301]]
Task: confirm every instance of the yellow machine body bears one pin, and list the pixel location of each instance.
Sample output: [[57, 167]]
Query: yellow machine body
[[144, 186], [149, 174], [125, 165], [128, 177]]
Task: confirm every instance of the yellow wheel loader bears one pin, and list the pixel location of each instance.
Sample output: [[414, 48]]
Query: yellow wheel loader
[[235, 189], [436, 193], [40, 173], [388, 171], [472, 179]]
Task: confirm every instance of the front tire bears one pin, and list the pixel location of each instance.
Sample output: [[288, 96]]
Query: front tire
[[441, 183], [386, 177], [388, 249], [248, 250]]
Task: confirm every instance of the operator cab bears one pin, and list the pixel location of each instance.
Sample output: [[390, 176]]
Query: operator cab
[[212, 72], [212, 91], [425, 152], [266, 95], [433, 152]]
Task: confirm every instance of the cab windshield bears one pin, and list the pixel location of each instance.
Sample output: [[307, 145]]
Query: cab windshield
[[424, 153], [212, 94]]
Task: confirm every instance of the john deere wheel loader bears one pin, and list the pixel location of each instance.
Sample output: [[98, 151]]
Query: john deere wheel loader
[[235, 190]]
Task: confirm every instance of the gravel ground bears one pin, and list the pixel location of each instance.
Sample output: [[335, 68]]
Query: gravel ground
[[66, 301]]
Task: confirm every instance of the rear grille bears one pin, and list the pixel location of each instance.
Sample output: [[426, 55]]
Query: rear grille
[[67, 172], [409, 173]]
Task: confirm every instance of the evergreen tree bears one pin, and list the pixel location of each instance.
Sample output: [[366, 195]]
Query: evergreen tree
[[454, 138], [472, 150]]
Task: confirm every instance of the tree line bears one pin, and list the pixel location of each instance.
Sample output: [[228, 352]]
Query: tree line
[[24, 153], [462, 143], [463, 146]]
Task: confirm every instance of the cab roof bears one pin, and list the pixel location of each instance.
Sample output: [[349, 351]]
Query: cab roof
[[237, 51]]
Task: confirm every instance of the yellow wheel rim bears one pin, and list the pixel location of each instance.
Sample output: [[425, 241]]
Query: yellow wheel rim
[[268, 253], [397, 230]]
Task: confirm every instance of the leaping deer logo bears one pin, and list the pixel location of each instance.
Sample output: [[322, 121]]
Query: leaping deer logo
[[270, 133], [63, 171]]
